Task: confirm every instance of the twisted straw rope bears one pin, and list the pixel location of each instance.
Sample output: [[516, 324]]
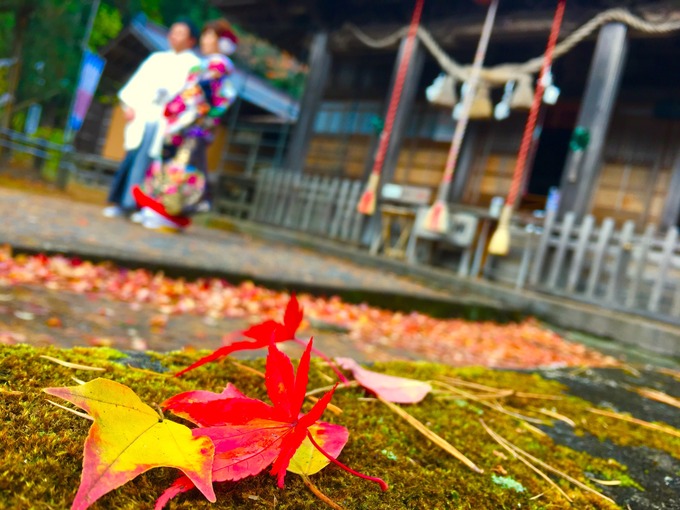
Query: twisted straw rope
[[505, 72]]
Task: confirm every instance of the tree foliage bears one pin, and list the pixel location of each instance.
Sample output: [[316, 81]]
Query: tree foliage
[[51, 46]]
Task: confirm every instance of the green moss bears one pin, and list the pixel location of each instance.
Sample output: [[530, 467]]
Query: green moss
[[42, 445]]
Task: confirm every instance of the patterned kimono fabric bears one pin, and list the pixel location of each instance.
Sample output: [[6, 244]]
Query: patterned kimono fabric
[[177, 183]]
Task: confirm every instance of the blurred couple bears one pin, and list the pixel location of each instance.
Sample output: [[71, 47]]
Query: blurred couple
[[171, 105]]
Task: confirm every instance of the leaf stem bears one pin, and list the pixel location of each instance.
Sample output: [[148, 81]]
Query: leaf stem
[[335, 461], [320, 494], [330, 362], [160, 412]]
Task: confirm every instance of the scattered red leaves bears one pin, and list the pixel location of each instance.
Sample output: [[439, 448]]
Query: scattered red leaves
[[454, 341]]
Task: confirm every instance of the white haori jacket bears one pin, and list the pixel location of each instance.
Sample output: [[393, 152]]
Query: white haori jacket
[[157, 80]]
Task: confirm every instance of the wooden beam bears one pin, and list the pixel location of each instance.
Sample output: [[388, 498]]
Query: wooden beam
[[582, 168], [319, 69]]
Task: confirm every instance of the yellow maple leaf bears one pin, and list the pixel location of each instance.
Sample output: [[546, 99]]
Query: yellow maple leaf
[[128, 438], [308, 460]]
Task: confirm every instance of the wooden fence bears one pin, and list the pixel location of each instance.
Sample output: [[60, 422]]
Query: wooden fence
[[89, 169], [317, 205], [612, 267]]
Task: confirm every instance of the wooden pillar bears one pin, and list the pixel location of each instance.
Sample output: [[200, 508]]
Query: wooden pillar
[[465, 164], [604, 77], [406, 102], [319, 69], [671, 209]]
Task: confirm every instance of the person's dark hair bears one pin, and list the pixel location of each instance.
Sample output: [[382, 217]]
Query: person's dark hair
[[193, 29], [220, 26]]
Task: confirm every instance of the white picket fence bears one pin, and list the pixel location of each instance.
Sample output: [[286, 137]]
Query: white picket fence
[[616, 268]]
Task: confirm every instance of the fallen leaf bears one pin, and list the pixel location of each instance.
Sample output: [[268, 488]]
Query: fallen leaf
[[100, 341], [138, 344], [24, 316], [393, 389], [54, 322], [499, 469], [307, 459], [128, 438], [243, 427], [500, 454], [261, 334], [250, 435]]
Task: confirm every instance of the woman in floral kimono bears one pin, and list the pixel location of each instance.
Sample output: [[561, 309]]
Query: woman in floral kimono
[[176, 186]]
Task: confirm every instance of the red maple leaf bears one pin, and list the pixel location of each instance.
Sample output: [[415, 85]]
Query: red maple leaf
[[262, 334], [249, 434]]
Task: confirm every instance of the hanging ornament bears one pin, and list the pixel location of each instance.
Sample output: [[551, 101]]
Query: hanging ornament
[[442, 92], [502, 109], [580, 139], [524, 94], [551, 92], [482, 107], [458, 109]]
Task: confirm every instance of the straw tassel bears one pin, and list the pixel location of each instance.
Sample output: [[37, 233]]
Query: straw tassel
[[367, 201], [500, 240], [437, 217]]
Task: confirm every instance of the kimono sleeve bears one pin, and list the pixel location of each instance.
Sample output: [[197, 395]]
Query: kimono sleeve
[[223, 91], [222, 98]]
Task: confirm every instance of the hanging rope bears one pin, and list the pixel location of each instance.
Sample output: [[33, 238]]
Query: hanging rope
[[503, 73], [367, 202], [437, 218], [500, 241]]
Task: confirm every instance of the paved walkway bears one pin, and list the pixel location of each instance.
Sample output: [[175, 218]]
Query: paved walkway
[[278, 258], [61, 225]]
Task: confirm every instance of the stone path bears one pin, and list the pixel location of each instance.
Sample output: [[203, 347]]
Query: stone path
[[61, 225]]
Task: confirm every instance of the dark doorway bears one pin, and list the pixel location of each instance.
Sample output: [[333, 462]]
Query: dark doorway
[[546, 171]]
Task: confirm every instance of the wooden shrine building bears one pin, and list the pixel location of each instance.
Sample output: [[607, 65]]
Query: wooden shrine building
[[609, 146], [621, 83]]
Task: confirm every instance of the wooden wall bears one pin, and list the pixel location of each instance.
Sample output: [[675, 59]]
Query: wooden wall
[[113, 143], [636, 170], [338, 155], [632, 185]]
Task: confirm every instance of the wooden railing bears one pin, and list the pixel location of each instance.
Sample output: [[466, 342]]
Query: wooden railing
[[87, 168], [312, 204], [608, 266]]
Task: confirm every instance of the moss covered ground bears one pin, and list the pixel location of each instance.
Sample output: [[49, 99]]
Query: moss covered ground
[[42, 445]]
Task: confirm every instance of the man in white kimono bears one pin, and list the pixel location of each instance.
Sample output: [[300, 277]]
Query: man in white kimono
[[143, 98]]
